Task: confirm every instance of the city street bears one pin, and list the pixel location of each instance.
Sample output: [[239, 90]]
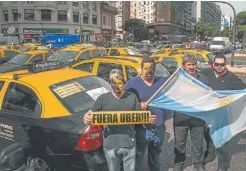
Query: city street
[[238, 149]]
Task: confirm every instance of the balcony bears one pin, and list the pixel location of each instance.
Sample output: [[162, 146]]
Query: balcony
[[109, 8]]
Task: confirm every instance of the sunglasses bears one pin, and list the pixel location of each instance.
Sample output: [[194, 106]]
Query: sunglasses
[[219, 64]]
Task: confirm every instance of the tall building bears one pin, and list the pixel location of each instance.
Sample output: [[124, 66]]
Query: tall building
[[210, 12], [172, 17], [108, 12], [123, 14], [30, 18], [193, 17], [226, 22], [119, 17], [144, 10]]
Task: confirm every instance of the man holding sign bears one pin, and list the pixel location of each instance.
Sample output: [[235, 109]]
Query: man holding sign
[[119, 142], [149, 136]]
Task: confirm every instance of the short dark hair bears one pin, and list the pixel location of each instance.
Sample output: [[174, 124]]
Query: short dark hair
[[189, 58], [148, 60], [220, 56]]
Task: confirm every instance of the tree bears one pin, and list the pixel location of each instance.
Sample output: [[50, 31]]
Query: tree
[[241, 31], [241, 18], [138, 28], [227, 32], [205, 29]]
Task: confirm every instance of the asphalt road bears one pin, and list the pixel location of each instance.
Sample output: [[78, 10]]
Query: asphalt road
[[238, 149]]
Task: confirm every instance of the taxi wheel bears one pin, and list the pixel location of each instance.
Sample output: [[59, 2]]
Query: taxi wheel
[[40, 164]]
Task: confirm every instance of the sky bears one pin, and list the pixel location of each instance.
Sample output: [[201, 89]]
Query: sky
[[238, 5]]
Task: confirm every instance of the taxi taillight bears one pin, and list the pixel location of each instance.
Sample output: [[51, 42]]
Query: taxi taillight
[[90, 139]]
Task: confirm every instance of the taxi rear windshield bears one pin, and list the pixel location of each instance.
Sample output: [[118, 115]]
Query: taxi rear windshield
[[79, 95]]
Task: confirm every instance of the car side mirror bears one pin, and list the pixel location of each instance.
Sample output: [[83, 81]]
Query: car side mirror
[[12, 158]]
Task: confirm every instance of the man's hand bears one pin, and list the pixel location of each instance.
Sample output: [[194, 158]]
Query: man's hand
[[153, 119], [144, 105], [87, 118]]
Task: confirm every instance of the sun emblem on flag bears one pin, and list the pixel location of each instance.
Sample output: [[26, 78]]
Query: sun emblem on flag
[[224, 101]]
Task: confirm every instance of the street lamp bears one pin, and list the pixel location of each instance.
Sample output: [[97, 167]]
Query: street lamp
[[80, 30], [234, 30]]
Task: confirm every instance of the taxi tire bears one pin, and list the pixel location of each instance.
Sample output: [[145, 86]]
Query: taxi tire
[[46, 159]]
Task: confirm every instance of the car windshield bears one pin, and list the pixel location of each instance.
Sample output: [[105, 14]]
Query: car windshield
[[20, 59], [161, 71], [79, 94], [217, 43], [65, 56]]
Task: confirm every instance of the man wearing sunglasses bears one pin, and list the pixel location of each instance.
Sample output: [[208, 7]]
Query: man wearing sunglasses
[[219, 78]]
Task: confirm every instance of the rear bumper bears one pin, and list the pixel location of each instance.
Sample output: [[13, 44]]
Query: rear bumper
[[216, 51], [91, 160], [81, 161]]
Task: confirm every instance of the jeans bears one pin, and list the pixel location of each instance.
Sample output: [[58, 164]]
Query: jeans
[[116, 156], [181, 134], [154, 151]]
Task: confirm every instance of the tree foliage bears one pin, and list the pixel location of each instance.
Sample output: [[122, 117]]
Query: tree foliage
[[241, 18], [205, 29], [226, 32], [138, 27], [241, 22]]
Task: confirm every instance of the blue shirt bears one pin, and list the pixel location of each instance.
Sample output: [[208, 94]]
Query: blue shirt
[[144, 92]]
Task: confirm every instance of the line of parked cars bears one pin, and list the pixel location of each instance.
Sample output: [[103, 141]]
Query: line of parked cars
[[45, 93]]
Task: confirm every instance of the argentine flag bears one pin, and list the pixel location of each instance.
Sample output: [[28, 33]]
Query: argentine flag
[[224, 111]]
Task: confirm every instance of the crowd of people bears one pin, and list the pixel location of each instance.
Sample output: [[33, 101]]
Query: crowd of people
[[128, 144]]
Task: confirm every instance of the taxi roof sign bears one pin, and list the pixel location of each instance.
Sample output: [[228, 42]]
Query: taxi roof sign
[[44, 66]]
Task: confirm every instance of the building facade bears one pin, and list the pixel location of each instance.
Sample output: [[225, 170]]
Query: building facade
[[144, 10], [31, 18], [210, 12], [172, 18], [108, 13], [193, 17]]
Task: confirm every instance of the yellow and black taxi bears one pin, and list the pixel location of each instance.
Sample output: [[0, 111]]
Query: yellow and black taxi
[[131, 67], [27, 48], [6, 54], [41, 108], [71, 55], [16, 47], [120, 51], [83, 45], [203, 56], [23, 59]]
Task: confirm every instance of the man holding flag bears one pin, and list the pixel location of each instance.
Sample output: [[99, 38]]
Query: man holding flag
[[183, 124], [149, 136], [222, 109], [222, 79]]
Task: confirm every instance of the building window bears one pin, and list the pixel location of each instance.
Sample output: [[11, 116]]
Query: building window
[[94, 19], [15, 14], [76, 4], [29, 14], [75, 17], [104, 19], [61, 2], [94, 6], [30, 2], [46, 15], [62, 15], [6, 15], [86, 18], [86, 5]]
